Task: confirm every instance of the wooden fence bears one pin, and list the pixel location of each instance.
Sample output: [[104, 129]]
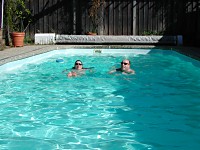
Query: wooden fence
[[119, 17]]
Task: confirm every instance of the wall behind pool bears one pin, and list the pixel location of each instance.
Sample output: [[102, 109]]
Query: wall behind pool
[[71, 52]]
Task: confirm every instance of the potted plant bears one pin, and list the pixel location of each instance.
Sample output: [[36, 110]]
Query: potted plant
[[94, 15], [18, 17]]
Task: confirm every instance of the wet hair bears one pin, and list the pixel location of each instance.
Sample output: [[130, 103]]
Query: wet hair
[[82, 66], [128, 61], [76, 62]]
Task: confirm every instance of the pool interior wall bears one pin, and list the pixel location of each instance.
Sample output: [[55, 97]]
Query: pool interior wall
[[10, 63], [66, 52], [17, 53]]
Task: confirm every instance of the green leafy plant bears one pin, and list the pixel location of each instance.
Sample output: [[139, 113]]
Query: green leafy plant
[[94, 15], [18, 16], [152, 33], [28, 40]]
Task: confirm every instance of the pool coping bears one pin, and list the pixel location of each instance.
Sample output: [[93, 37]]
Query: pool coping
[[17, 53]]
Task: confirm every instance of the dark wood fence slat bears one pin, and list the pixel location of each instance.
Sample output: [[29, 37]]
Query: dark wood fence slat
[[116, 16], [46, 21], [134, 15], [146, 15], [106, 18], [150, 26], [120, 27], [130, 15], [119, 17], [110, 20]]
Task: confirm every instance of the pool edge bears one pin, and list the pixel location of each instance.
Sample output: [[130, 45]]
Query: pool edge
[[13, 54]]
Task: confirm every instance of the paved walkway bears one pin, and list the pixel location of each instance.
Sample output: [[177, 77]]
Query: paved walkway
[[12, 54], [16, 53]]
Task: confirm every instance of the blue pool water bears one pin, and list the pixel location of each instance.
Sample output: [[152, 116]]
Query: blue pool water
[[158, 108]]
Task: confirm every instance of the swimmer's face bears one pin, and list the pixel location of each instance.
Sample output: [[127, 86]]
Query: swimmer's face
[[125, 65], [78, 65]]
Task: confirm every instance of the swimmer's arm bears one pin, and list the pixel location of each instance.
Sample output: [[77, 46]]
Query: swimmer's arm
[[72, 74], [115, 70], [88, 68], [132, 72], [64, 71], [129, 72], [112, 71], [69, 74]]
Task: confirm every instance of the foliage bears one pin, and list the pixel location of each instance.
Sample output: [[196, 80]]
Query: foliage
[[2, 47], [17, 15], [152, 33], [94, 15], [28, 40]]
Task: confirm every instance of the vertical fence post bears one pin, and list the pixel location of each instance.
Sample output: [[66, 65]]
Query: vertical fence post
[[74, 16], [1, 22], [100, 27], [1, 13], [134, 17]]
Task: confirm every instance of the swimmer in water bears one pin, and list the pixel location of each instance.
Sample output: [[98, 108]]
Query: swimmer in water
[[125, 68], [78, 69]]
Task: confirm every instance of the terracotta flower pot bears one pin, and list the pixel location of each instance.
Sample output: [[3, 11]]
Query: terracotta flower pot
[[18, 39]]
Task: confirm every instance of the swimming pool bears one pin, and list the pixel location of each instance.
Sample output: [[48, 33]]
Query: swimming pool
[[157, 108]]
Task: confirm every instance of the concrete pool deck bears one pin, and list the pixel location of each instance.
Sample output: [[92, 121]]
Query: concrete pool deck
[[17, 53]]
